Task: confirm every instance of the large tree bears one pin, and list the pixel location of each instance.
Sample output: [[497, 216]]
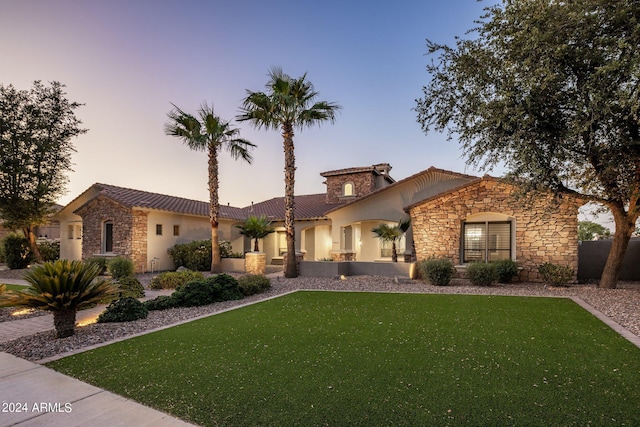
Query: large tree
[[288, 103], [550, 88], [36, 128], [209, 133]]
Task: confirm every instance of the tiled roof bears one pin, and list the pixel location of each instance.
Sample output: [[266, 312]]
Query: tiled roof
[[310, 206], [144, 199]]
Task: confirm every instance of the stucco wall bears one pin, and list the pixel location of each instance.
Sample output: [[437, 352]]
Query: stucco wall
[[543, 232], [190, 228]]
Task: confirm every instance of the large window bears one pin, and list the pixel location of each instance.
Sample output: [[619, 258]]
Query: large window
[[486, 241]]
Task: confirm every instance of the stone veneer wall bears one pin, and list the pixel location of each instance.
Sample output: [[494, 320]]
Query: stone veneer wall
[[542, 234], [363, 183], [129, 230]]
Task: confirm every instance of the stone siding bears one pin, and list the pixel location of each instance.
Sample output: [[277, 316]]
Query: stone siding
[[129, 231], [543, 232], [363, 183]]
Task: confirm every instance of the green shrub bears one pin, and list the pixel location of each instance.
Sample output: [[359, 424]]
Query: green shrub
[[251, 284], [100, 261], [3, 259], [481, 273], [120, 267], [207, 291], [17, 251], [174, 279], [225, 288], [556, 274], [506, 270], [49, 249], [125, 309], [196, 255], [438, 271], [130, 287], [162, 302]]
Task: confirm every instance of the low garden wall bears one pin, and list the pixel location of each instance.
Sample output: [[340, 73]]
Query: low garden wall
[[356, 268], [233, 265]]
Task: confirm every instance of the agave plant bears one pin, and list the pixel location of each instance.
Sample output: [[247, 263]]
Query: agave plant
[[62, 287]]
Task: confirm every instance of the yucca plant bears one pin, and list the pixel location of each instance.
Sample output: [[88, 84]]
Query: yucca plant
[[62, 287]]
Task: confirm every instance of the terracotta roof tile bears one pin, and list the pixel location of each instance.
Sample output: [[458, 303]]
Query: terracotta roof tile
[[143, 199], [310, 206]]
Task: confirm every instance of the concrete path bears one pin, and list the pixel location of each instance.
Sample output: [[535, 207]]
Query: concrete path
[[33, 395]]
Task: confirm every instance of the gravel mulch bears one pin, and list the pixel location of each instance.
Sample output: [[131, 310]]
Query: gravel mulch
[[622, 305]]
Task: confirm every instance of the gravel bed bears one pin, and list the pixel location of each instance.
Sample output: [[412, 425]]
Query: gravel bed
[[622, 305]]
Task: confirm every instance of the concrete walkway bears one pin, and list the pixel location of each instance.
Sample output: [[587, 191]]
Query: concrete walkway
[[34, 395]]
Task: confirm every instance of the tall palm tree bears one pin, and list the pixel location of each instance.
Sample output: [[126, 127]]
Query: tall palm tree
[[209, 133], [388, 233], [62, 287], [256, 227], [288, 103]]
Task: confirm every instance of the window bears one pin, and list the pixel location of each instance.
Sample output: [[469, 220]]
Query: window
[[347, 189], [107, 237], [176, 230], [486, 241], [282, 243], [70, 229], [158, 229], [78, 232]]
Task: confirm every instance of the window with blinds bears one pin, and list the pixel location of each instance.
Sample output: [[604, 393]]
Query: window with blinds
[[486, 241]]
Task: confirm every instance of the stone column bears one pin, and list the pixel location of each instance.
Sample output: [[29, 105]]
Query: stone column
[[255, 262]]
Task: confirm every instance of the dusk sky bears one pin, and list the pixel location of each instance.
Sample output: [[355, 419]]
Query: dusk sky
[[127, 60]]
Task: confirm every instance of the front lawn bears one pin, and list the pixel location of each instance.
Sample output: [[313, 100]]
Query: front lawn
[[338, 358]]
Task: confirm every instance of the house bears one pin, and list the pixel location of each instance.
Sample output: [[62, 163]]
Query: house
[[481, 221], [106, 220], [461, 217]]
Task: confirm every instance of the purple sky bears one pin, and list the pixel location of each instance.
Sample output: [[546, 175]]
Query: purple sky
[[127, 60]]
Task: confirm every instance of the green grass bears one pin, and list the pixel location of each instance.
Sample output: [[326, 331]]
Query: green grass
[[321, 358]]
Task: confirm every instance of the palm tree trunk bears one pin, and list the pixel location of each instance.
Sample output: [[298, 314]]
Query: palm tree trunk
[[625, 225], [64, 323], [394, 255], [291, 269], [256, 248], [214, 209]]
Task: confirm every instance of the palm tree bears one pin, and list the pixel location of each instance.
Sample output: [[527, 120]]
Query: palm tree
[[209, 133], [288, 103], [392, 234], [256, 228], [63, 287]]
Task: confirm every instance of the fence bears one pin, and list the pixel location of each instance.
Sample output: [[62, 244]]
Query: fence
[[593, 255]]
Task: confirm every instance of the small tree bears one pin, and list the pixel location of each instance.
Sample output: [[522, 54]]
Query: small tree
[[36, 128], [588, 230], [256, 228], [388, 233], [62, 287]]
